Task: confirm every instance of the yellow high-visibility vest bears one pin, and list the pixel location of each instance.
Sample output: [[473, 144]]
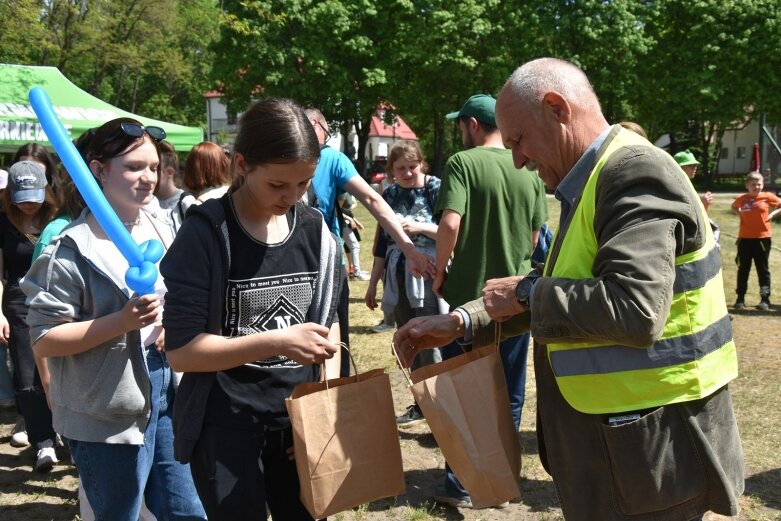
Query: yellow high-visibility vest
[[695, 355]]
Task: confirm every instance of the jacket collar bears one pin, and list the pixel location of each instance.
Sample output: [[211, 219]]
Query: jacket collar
[[80, 236]]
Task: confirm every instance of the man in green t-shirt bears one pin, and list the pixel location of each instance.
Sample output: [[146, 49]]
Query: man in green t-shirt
[[491, 214]]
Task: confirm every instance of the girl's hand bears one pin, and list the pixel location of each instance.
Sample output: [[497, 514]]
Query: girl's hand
[[308, 344], [410, 227], [291, 455], [160, 342], [140, 312], [371, 296], [5, 330]]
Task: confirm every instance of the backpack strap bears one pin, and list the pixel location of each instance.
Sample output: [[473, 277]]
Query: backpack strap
[[311, 196], [180, 206], [429, 197]]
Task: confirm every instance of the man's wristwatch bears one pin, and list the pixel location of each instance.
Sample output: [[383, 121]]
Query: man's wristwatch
[[524, 288]]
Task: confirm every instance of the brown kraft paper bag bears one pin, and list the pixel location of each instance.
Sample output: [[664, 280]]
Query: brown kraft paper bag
[[346, 443], [465, 402]]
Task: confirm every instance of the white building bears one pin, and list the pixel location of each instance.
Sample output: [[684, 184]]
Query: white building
[[220, 123], [737, 147]]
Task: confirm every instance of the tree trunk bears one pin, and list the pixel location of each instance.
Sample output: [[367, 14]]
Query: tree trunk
[[120, 84], [135, 94], [362, 130], [438, 161]]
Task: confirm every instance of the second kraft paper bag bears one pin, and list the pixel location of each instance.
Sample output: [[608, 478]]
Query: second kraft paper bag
[[346, 443], [465, 402]]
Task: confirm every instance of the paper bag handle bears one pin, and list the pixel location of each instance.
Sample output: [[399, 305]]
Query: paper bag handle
[[357, 376], [406, 372]]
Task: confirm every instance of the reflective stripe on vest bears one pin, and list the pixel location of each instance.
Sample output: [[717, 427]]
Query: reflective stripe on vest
[[695, 355]]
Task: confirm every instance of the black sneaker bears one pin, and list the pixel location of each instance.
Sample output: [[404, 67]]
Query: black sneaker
[[764, 304], [412, 416], [739, 304], [443, 498]]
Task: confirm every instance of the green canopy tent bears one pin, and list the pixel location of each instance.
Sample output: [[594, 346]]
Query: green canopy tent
[[78, 110]]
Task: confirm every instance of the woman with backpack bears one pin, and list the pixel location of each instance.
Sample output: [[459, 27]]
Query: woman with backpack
[[412, 197]]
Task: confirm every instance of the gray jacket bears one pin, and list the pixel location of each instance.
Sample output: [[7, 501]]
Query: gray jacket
[[100, 395]]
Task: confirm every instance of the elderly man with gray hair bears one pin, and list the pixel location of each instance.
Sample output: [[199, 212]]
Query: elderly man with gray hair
[[633, 343]]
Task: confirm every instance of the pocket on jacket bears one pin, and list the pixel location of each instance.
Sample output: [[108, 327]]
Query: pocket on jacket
[[654, 462], [114, 390]]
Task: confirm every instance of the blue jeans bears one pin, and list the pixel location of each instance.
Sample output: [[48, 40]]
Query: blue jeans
[[514, 352], [116, 477]]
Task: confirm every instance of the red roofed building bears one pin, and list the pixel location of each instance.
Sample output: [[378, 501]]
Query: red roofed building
[[383, 134]]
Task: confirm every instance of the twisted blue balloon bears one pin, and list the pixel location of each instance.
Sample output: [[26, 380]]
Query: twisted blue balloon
[[142, 273]]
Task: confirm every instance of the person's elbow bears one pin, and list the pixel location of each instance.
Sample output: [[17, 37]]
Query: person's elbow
[[639, 328], [449, 223], [178, 360], [645, 334]]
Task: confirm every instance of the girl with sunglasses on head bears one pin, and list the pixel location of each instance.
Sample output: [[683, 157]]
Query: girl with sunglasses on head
[[253, 282], [111, 388]]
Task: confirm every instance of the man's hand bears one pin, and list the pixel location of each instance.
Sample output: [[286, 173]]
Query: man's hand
[[427, 333], [439, 281], [499, 298], [418, 263]]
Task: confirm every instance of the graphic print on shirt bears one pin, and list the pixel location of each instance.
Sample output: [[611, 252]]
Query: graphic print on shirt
[[748, 204], [267, 304]]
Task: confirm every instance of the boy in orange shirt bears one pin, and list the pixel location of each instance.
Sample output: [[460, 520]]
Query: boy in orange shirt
[[754, 237]]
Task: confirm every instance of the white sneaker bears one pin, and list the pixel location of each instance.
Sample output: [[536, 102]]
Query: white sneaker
[[361, 275], [381, 327], [47, 457], [19, 434]]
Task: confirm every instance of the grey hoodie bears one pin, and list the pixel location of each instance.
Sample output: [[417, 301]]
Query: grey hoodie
[[100, 395]]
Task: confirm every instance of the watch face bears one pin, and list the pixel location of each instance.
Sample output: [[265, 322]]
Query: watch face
[[524, 288], [522, 291]]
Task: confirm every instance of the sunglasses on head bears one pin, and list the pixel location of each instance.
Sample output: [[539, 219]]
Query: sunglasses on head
[[135, 130]]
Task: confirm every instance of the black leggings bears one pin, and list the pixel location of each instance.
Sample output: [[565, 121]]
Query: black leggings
[[343, 312], [238, 472], [758, 251], [30, 397]]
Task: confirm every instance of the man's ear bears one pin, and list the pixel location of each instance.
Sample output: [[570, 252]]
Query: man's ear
[[558, 106], [170, 171]]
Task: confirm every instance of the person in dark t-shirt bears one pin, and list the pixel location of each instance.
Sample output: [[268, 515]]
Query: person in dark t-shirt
[[253, 281], [28, 204]]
